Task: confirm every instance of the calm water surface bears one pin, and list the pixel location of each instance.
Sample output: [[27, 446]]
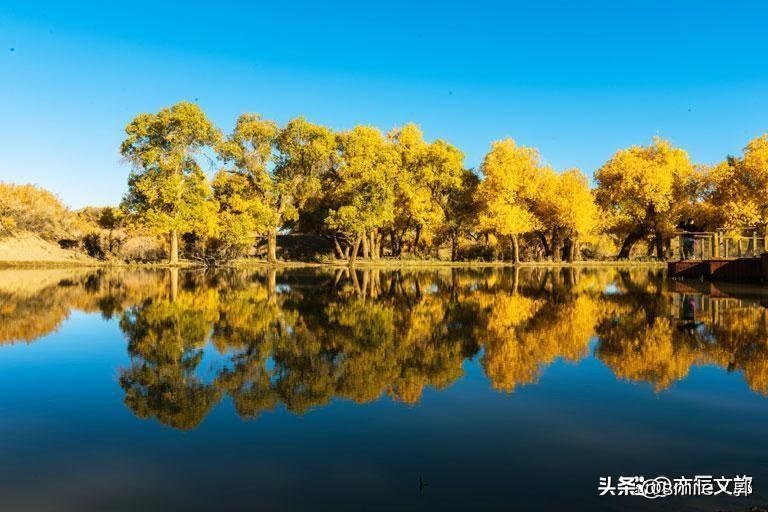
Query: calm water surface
[[315, 390]]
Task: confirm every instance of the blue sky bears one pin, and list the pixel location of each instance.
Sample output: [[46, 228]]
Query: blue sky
[[577, 80]]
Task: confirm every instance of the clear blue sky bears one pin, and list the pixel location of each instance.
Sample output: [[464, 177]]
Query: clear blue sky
[[577, 80]]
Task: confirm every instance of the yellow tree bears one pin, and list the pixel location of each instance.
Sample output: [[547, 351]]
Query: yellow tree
[[508, 170], [363, 188], [565, 208], [430, 179], [642, 190], [167, 188], [305, 154], [451, 187], [460, 207], [739, 187], [246, 192], [416, 214]]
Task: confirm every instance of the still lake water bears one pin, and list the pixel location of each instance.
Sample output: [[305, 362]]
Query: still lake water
[[321, 390]]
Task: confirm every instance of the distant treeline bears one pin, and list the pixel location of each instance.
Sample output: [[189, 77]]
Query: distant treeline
[[375, 195]]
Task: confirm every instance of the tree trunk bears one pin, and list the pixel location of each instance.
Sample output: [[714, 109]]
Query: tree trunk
[[417, 239], [366, 246], [272, 246], [545, 245], [515, 250], [374, 245], [557, 246], [454, 246], [174, 254], [573, 253], [629, 242], [659, 239], [353, 251], [337, 251]]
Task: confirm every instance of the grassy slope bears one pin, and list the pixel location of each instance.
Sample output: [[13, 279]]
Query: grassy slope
[[26, 248]]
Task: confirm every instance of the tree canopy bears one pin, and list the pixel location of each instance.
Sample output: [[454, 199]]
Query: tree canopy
[[168, 188], [399, 195]]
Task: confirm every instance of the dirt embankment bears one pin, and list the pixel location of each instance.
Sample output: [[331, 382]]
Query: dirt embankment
[[29, 248]]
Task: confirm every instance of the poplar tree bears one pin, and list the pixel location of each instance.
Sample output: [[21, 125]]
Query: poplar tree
[[167, 189]]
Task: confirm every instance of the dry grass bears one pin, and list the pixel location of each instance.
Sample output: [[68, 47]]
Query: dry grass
[[26, 248]]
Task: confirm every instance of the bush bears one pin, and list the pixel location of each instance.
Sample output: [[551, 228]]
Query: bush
[[93, 246], [142, 248], [68, 243], [30, 208]]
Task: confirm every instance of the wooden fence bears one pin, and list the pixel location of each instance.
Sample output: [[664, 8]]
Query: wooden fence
[[721, 244]]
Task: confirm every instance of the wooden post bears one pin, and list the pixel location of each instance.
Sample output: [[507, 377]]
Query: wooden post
[[754, 244], [725, 247]]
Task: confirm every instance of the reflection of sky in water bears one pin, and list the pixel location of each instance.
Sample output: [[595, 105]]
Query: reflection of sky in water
[[212, 364]]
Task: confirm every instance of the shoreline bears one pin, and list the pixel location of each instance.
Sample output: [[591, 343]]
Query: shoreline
[[363, 264]]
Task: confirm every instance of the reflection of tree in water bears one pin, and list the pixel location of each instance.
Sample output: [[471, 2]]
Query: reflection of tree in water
[[29, 318], [360, 335], [637, 351], [522, 334], [165, 341], [741, 335], [375, 334], [637, 339], [34, 308], [250, 324]]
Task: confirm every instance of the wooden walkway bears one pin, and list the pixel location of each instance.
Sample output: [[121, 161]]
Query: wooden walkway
[[740, 270]]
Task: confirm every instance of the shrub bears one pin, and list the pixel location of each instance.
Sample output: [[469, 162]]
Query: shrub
[[142, 248], [93, 246], [31, 208], [68, 243]]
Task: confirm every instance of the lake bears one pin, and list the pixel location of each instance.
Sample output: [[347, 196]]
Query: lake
[[315, 389]]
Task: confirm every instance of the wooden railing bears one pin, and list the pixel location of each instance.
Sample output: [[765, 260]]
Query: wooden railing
[[721, 244]]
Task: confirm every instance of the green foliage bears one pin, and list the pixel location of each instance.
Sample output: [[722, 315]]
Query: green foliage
[[110, 218], [396, 195], [306, 153], [168, 189], [246, 193], [363, 183]]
